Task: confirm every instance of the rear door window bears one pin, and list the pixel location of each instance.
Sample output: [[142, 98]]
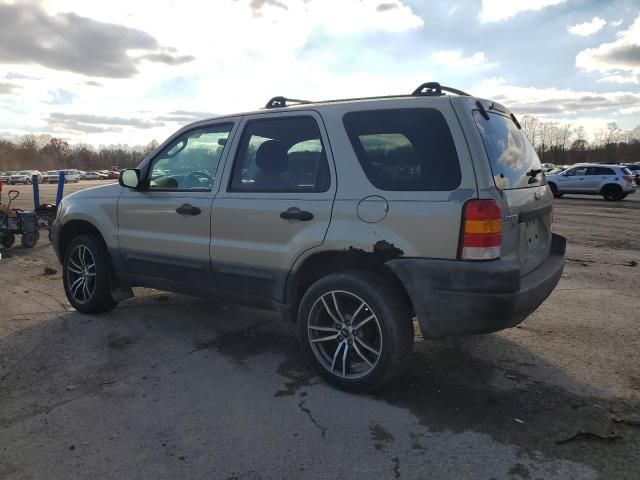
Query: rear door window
[[600, 171], [405, 149], [513, 160]]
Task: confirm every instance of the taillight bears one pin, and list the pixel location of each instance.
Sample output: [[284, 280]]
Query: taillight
[[481, 230], [628, 178]]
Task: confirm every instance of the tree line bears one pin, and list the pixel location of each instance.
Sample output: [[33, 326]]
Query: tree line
[[44, 152], [565, 144], [555, 142]]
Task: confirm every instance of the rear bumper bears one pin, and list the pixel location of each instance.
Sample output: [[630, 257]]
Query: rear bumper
[[462, 298]]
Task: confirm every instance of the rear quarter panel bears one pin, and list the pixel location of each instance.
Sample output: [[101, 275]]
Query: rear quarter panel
[[417, 223]]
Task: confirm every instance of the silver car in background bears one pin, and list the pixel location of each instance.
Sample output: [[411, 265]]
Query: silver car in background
[[613, 182]]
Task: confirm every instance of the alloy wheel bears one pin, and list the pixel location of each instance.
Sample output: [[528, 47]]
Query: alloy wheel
[[345, 334], [81, 274]]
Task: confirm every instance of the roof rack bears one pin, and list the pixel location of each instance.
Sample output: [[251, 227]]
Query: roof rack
[[435, 89], [429, 89], [278, 102]]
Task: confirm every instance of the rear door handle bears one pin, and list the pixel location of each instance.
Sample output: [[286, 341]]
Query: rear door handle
[[187, 209], [294, 213]]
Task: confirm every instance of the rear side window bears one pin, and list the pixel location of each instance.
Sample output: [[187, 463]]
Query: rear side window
[[601, 171], [510, 153], [405, 149]]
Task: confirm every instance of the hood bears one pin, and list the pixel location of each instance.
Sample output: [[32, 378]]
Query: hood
[[112, 190]]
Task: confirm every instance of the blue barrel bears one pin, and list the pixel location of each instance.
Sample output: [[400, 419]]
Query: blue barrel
[[36, 191]]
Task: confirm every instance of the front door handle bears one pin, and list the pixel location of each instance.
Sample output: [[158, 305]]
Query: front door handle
[[294, 213], [187, 209]]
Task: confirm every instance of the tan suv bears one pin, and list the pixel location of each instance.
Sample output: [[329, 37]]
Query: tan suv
[[351, 217]]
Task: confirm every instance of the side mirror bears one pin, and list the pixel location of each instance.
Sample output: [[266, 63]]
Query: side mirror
[[129, 178]]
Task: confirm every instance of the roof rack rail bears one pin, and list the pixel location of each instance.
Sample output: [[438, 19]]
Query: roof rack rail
[[278, 102], [435, 89]]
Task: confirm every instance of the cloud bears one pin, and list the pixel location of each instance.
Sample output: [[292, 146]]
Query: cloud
[[455, 60], [166, 58], [184, 116], [619, 79], [554, 101], [615, 23], [86, 123], [587, 28], [8, 88], [498, 10], [385, 7], [616, 58], [69, 42]]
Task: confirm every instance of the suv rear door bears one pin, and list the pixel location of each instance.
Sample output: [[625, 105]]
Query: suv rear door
[[573, 180], [275, 201], [522, 190]]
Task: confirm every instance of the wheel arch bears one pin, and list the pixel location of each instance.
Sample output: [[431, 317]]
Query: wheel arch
[[320, 264], [72, 229]]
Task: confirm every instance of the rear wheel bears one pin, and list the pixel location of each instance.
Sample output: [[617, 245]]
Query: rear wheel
[[29, 239], [612, 193], [355, 328], [87, 275]]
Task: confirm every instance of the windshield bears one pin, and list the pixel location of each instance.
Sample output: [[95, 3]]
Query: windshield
[[514, 162]]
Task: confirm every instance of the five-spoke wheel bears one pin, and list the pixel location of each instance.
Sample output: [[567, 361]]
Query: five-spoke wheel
[[81, 273]]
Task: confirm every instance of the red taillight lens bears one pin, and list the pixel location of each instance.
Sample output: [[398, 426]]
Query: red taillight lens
[[628, 178], [481, 230]]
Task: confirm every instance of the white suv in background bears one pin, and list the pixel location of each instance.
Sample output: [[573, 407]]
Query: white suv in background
[[613, 182], [24, 176]]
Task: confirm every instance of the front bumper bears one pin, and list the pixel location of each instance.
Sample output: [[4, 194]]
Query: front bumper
[[461, 298]]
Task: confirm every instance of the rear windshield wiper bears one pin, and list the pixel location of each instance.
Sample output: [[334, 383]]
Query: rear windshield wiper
[[533, 173]]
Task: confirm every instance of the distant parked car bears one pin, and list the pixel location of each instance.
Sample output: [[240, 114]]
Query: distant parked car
[[113, 175], [24, 176], [547, 167], [634, 168], [557, 169], [93, 176], [4, 176], [613, 182], [70, 175]]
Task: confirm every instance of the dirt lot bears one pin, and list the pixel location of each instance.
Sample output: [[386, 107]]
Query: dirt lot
[[168, 386]]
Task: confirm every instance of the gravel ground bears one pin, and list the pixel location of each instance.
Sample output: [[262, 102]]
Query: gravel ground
[[169, 386]]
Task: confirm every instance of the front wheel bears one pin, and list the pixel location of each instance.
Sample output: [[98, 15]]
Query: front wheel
[[29, 239], [87, 275], [8, 240], [554, 190], [355, 328]]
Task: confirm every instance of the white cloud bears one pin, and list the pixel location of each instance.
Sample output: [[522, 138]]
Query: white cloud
[[455, 60], [497, 10], [615, 23], [587, 28], [619, 79], [554, 102], [616, 58]]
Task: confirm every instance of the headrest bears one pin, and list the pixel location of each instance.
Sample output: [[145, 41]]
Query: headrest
[[272, 157]]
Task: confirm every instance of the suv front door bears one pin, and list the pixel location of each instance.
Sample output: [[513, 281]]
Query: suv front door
[[573, 180], [275, 202], [164, 231]]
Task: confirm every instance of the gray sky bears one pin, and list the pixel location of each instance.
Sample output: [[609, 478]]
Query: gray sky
[[127, 71]]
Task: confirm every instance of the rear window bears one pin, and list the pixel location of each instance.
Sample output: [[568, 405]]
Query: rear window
[[405, 149], [626, 171], [601, 171], [510, 153]]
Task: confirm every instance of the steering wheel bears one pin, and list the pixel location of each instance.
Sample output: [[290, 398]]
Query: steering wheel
[[193, 180]]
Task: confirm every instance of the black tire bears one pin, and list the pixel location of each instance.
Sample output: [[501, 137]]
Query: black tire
[[100, 298], [554, 190], [613, 193], [50, 236], [8, 240], [29, 239], [393, 324]]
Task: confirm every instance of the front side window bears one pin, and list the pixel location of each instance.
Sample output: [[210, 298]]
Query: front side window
[[408, 149], [281, 155], [579, 171], [190, 162]]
